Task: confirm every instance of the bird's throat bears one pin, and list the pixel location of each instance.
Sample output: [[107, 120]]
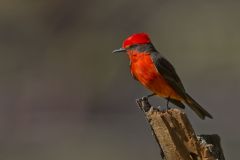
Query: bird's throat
[[135, 55]]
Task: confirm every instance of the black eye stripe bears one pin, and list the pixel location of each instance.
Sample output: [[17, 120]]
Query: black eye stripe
[[132, 46], [142, 47]]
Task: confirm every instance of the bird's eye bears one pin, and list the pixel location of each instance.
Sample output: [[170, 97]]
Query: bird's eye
[[127, 47], [132, 46]]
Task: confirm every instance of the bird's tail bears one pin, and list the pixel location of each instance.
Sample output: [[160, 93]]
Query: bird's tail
[[200, 111]]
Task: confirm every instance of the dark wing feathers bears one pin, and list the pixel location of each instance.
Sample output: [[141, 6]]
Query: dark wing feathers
[[167, 70], [177, 103]]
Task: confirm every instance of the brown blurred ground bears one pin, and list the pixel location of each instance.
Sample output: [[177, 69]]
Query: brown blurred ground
[[64, 95]]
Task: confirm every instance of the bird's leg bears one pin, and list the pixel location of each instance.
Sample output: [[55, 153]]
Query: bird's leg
[[150, 95], [145, 98], [143, 102], [168, 98]]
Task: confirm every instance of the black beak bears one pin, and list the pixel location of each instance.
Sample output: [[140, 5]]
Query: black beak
[[119, 50]]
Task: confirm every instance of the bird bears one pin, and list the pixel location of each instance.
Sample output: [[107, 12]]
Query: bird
[[156, 73]]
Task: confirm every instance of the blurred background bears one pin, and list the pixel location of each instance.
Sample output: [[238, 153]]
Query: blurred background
[[64, 95]]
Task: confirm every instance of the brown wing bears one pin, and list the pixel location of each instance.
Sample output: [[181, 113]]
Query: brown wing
[[165, 68]]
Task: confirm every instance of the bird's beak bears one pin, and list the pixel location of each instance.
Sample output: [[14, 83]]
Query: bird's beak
[[119, 50]]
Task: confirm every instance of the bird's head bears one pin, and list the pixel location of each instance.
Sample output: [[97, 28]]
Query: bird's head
[[135, 40]]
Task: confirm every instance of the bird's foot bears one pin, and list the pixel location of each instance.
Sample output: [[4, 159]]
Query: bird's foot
[[168, 103], [143, 103], [167, 106], [150, 95], [160, 108]]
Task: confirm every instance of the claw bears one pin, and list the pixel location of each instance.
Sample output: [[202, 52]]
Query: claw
[[145, 99], [143, 104], [168, 103], [150, 95]]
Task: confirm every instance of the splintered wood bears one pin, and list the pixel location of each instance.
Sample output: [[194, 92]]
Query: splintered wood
[[176, 137]]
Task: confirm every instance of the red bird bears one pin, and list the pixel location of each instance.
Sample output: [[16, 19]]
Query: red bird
[[156, 73]]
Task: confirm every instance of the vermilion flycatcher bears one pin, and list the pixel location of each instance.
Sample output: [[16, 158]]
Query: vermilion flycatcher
[[156, 73]]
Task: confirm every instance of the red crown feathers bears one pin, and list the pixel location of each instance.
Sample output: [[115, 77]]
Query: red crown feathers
[[138, 38]]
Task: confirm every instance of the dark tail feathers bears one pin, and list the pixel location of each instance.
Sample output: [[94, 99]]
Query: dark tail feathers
[[176, 102], [201, 112]]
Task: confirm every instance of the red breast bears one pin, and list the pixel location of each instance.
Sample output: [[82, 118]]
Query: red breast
[[145, 71]]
